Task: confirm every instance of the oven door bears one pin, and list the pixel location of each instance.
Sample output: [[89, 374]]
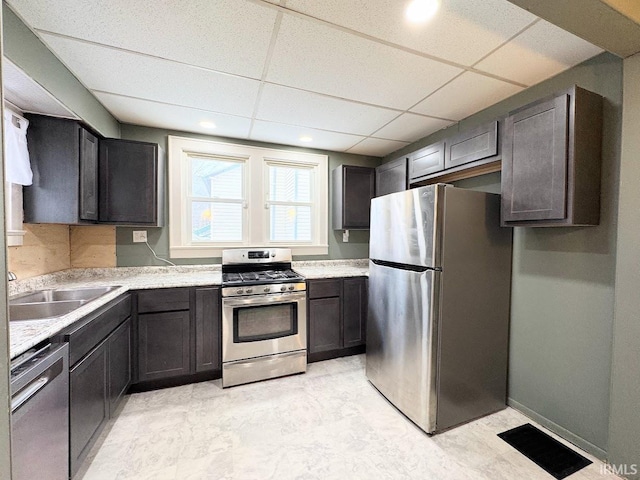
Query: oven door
[[260, 325]]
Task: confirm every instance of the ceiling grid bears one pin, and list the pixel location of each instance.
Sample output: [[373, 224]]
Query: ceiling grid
[[353, 75]]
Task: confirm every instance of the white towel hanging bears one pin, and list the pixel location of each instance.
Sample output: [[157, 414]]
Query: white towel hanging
[[17, 165]]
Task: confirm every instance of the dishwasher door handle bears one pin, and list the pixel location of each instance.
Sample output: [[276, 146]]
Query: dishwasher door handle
[[36, 385], [28, 392]]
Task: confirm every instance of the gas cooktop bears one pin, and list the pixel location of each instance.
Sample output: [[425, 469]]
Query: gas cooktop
[[260, 277], [258, 267]]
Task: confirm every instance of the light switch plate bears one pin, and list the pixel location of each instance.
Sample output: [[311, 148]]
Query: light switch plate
[[139, 236], [345, 236]]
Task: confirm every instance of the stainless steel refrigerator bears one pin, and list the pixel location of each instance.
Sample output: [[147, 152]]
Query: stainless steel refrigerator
[[439, 293]]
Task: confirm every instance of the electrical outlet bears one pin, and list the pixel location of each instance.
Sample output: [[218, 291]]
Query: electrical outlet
[[345, 236], [139, 236]]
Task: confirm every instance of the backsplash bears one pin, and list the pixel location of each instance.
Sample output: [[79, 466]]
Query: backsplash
[[50, 248], [45, 250]]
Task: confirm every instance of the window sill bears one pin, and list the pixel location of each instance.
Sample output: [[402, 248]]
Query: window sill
[[216, 252], [15, 238]]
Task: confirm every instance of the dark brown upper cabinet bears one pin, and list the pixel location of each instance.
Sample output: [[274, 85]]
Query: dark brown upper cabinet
[[469, 146], [64, 160], [392, 176], [426, 161], [352, 190], [551, 161], [131, 183]]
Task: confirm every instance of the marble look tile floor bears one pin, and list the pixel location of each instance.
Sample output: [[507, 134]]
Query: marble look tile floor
[[329, 423]]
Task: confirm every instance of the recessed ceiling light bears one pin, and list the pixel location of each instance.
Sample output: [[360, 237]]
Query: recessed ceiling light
[[305, 138], [419, 11], [205, 124]]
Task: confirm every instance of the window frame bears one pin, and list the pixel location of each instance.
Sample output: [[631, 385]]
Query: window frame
[[256, 209]]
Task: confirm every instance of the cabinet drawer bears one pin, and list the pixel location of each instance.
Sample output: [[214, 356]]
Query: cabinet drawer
[[85, 334], [163, 300], [476, 144], [427, 160], [324, 288]]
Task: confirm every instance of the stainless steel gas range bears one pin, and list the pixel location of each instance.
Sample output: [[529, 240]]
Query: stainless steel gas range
[[264, 316]]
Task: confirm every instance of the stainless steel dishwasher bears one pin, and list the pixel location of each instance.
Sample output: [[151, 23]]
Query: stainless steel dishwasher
[[40, 414]]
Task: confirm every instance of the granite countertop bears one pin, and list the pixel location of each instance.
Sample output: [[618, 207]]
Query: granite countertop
[[26, 334]]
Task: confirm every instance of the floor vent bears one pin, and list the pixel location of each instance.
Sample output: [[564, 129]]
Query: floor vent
[[554, 457]]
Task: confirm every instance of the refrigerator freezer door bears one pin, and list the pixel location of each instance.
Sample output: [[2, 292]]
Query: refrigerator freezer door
[[401, 340], [403, 227]]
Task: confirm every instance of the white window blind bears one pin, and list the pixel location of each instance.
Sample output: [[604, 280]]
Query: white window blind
[[217, 198], [290, 203]]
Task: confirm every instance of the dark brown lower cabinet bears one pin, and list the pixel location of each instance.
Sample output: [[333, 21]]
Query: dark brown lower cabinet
[[119, 346], [208, 330], [164, 341], [354, 311], [100, 374], [337, 316], [178, 336], [88, 403], [324, 324]]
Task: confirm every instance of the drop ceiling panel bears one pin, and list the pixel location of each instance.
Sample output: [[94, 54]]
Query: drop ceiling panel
[[352, 67], [226, 35], [296, 107], [152, 114], [462, 31], [290, 135], [377, 147], [409, 127], [540, 52], [135, 75], [467, 94], [22, 91]]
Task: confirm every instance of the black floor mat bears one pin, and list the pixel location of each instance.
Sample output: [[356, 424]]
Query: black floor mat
[[554, 457]]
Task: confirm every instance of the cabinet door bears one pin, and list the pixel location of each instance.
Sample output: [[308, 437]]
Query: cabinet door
[[352, 189], [472, 145], [392, 177], [208, 334], [119, 345], [426, 160], [129, 182], [88, 404], [88, 176], [354, 311], [54, 156], [324, 324], [163, 345], [534, 162]]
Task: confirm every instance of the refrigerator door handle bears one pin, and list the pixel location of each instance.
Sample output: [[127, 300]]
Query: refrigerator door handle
[[401, 266]]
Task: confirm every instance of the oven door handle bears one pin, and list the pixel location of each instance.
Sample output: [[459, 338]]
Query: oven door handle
[[264, 299]]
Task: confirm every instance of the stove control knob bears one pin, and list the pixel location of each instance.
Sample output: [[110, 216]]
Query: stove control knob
[[283, 288], [291, 287], [273, 254], [267, 289], [249, 290], [239, 291]]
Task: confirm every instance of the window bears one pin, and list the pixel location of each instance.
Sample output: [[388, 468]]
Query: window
[[225, 195]]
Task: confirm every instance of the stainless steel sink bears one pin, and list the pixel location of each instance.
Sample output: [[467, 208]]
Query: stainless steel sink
[[58, 295], [40, 311], [52, 303]]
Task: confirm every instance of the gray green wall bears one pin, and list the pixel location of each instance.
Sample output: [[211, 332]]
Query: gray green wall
[[134, 254], [624, 432], [5, 440], [25, 50], [563, 282]]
